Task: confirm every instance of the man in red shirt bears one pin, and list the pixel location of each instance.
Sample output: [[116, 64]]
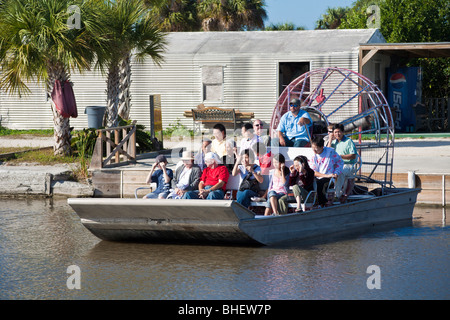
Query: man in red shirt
[[213, 182]]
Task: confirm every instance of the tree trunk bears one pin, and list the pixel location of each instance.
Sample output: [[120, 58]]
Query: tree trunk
[[124, 88], [112, 96], [61, 124]]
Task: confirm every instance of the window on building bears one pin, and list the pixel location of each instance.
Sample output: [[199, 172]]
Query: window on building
[[212, 79]]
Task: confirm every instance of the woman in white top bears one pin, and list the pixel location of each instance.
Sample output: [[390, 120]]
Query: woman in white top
[[218, 145]]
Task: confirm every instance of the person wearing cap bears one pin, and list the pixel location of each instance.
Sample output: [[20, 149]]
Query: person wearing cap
[[186, 178], [213, 182], [293, 127], [162, 176]]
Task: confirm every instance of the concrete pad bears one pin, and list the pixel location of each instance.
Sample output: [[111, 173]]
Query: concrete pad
[[39, 180], [422, 155], [72, 189], [26, 141]]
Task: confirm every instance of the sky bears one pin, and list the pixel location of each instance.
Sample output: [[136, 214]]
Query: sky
[[300, 12]]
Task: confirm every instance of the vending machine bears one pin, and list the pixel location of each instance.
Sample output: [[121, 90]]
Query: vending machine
[[404, 90]]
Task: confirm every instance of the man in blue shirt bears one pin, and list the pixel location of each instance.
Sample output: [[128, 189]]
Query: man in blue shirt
[[162, 176], [293, 127]]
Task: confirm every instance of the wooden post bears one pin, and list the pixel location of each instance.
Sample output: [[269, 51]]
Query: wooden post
[[116, 141], [97, 155], [125, 145], [133, 143], [108, 144], [448, 113], [48, 183]]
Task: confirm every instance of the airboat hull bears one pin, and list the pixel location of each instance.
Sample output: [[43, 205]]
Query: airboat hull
[[227, 222]]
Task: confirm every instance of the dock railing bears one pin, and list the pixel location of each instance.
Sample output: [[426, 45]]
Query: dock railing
[[108, 152]]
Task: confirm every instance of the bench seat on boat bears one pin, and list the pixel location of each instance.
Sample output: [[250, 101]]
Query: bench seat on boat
[[233, 187]]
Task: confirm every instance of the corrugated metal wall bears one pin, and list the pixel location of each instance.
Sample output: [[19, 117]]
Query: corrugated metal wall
[[34, 110], [250, 85]]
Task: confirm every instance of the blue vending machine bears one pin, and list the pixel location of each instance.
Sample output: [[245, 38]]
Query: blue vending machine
[[404, 90]]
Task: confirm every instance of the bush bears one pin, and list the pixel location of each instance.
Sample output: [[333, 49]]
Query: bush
[[143, 138], [178, 130]]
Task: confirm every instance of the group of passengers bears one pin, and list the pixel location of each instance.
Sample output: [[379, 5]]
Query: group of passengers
[[205, 174]]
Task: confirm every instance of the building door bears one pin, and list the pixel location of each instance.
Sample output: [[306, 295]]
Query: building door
[[289, 71]]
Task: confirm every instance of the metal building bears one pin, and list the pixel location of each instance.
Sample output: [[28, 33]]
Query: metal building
[[242, 70]]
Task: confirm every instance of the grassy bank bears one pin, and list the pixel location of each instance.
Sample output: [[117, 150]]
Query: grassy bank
[[38, 156], [41, 156], [12, 133]]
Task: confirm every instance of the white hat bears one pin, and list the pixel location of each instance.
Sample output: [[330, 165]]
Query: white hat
[[187, 155], [213, 156]]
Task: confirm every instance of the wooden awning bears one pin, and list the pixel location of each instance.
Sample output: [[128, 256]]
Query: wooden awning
[[406, 50]]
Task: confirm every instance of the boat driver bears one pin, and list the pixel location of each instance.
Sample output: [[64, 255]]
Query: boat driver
[[293, 127]]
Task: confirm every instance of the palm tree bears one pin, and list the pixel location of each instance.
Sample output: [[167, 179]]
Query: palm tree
[[36, 44], [332, 18], [283, 27], [231, 15], [129, 28], [174, 15]]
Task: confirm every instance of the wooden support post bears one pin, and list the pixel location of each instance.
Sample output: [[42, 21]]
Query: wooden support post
[[125, 145], [97, 155], [108, 144], [116, 141], [133, 144], [448, 113]]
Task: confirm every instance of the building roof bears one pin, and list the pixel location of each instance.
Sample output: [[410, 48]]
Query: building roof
[[267, 42], [411, 50]]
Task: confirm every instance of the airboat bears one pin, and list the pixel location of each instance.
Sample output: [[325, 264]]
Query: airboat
[[332, 95]]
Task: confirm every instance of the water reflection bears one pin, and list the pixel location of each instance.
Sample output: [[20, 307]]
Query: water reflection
[[39, 239]]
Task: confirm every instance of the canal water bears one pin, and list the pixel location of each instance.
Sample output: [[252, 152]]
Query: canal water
[[45, 253]]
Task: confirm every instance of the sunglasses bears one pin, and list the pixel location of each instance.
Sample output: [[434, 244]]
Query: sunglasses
[[293, 105], [330, 131], [257, 125]]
